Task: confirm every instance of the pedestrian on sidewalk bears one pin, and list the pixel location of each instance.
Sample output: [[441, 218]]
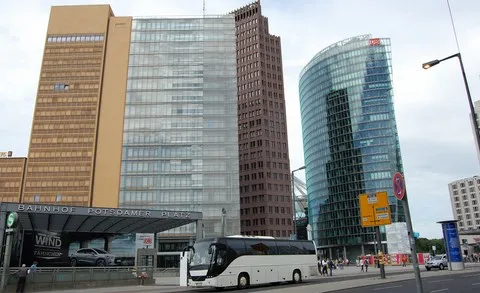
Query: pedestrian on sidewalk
[[21, 274], [404, 260], [330, 266], [362, 264], [366, 265], [319, 264], [324, 267], [33, 267]]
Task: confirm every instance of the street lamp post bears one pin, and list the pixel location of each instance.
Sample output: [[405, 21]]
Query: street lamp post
[[470, 102], [293, 202]]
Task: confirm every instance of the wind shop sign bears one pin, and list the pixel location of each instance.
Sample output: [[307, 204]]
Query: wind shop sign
[[45, 247]]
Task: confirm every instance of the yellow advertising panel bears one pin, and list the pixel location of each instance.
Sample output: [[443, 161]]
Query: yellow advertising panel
[[374, 209]]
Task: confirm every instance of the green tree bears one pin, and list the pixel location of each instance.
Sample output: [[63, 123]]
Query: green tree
[[425, 245]]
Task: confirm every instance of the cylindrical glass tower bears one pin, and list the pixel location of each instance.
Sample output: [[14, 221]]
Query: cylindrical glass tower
[[350, 140]]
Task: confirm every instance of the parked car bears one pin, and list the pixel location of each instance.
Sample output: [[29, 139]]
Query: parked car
[[92, 257], [439, 261]]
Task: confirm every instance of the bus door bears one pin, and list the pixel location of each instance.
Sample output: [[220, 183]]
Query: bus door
[[219, 259]]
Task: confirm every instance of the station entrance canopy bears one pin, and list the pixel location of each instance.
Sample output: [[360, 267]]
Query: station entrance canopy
[[57, 218]]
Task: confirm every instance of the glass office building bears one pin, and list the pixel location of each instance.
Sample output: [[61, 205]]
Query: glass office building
[[180, 144], [350, 140]]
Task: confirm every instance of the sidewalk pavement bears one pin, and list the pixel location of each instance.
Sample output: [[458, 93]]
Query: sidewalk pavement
[[393, 274]]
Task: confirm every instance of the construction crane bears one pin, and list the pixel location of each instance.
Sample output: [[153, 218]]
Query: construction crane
[[300, 195]]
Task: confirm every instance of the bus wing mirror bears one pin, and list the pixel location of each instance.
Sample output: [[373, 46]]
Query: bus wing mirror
[[210, 248], [188, 248]]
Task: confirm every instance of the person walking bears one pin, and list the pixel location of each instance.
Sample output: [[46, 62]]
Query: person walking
[[21, 274], [362, 264], [404, 260], [33, 267], [324, 267], [366, 263], [330, 266], [319, 264]]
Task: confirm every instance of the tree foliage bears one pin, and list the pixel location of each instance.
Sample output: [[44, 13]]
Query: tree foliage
[[425, 245]]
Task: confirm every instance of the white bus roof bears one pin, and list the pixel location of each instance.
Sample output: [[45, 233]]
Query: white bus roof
[[247, 236]]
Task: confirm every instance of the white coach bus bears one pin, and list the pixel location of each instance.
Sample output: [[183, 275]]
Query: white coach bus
[[244, 260]]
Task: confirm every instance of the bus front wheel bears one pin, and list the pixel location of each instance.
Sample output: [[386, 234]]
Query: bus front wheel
[[297, 276], [243, 281]]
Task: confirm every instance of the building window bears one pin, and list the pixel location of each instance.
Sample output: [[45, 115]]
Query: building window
[[36, 198], [58, 198], [60, 87]]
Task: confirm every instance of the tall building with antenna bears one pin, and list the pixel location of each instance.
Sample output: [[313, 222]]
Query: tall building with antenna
[[265, 195]]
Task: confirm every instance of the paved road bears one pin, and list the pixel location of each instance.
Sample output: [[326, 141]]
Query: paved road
[[342, 281], [468, 282]]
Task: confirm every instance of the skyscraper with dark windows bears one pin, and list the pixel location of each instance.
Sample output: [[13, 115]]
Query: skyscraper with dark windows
[[265, 195], [350, 140]]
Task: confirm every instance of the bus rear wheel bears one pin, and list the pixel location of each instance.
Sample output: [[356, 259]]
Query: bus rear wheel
[[296, 276], [243, 281]]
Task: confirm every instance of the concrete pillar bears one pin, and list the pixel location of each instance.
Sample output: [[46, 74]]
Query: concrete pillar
[[84, 244], [363, 250], [199, 230], [3, 219], [345, 252], [330, 255], [107, 242]]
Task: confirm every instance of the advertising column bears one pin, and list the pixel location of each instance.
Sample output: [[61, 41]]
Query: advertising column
[[452, 245]]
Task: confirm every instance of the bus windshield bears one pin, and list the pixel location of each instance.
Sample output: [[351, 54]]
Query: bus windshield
[[201, 255]]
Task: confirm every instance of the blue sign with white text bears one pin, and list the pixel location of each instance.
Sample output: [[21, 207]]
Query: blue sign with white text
[[452, 241]]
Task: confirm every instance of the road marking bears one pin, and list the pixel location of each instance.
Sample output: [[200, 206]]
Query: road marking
[[468, 276], [444, 280], [440, 290], [474, 284], [383, 288]]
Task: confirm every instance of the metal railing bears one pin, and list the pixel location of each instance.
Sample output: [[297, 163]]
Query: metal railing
[[56, 278]]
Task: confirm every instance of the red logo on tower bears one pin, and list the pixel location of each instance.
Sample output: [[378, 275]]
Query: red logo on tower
[[398, 186], [374, 42]]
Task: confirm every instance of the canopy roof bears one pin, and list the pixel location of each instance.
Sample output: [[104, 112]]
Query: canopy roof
[[57, 218]]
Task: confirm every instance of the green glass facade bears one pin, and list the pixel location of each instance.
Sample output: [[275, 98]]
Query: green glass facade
[[350, 140], [180, 144]]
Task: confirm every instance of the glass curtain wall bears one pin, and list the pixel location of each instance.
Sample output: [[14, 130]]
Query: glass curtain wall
[[350, 138], [180, 145]]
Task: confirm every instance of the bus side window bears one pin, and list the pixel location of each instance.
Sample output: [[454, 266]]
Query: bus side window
[[272, 247], [236, 247], [283, 247], [309, 247], [297, 247]]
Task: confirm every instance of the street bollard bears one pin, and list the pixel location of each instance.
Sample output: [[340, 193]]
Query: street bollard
[[381, 264]]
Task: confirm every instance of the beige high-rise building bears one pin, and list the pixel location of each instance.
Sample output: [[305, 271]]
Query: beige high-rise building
[[70, 146], [11, 177], [465, 199]]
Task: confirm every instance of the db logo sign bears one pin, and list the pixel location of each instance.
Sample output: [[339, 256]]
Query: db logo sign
[[147, 241]]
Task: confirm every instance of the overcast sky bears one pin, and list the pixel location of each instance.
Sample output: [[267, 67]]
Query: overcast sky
[[431, 106]]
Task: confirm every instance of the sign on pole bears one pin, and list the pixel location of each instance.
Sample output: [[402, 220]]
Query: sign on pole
[[374, 209], [398, 186]]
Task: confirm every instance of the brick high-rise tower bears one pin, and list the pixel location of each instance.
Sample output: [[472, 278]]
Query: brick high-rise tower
[[265, 195]]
